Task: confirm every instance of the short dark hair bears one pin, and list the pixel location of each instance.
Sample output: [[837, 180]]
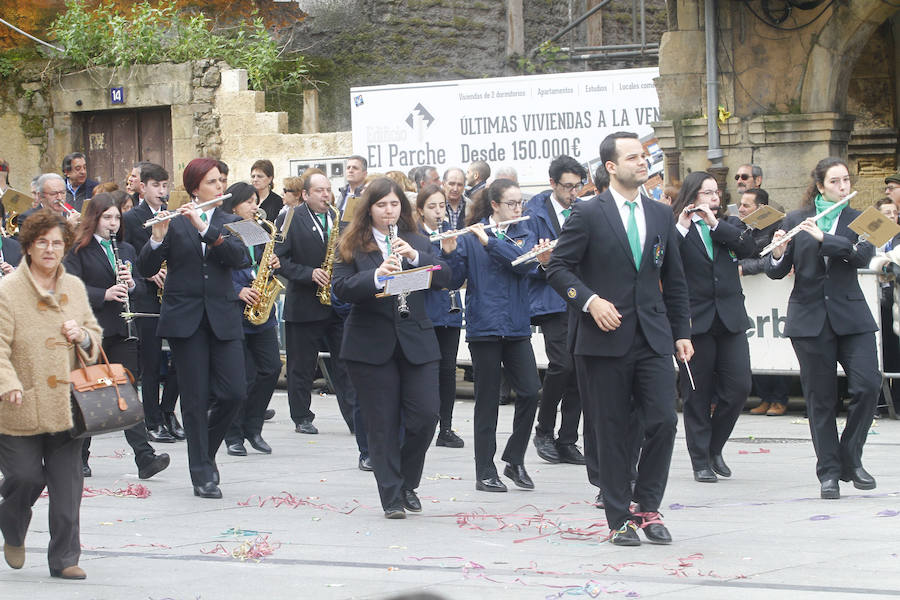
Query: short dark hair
[[223, 167], [563, 164], [482, 168], [265, 165], [760, 196], [240, 193], [363, 161], [882, 202], [155, 172], [601, 178], [67, 160], [41, 222], [608, 151]]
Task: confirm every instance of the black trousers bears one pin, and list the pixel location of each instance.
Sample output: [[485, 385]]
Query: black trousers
[[212, 383], [29, 463], [448, 340], [772, 388], [818, 357], [121, 350], [151, 354], [262, 365], [560, 384], [517, 358], [592, 452], [721, 370], [890, 344], [612, 388], [399, 403], [302, 348]]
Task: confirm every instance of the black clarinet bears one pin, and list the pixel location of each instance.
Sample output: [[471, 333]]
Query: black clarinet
[[129, 320]]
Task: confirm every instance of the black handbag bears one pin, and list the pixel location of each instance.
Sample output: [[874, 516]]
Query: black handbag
[[104, 398]]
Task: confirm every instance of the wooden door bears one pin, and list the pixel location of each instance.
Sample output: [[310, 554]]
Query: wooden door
[[115, 140]]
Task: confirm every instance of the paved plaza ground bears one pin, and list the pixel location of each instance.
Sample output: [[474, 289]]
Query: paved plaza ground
[[306, 523]]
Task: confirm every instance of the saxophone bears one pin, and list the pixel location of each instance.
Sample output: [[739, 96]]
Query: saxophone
[[265, 284], [324, 293]]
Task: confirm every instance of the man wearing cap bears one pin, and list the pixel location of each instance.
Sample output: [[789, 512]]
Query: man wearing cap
[[892, 188]]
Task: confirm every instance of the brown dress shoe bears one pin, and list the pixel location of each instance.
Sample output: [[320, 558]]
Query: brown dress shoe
[[776, 410], [73, 572], [761, 409], [14, 555]]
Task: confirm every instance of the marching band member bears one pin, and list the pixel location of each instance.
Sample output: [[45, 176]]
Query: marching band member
[[93, 260], [201, 317], [498, 330], [711, 245], [392, 360], [262, 358], [828, 322], [444, 308]]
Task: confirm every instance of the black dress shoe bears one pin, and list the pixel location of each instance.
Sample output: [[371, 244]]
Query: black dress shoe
[[860, 478], [365, 464], [306, 426], [174, 427], [269, 414], [86, 470], [546, 447], [830, 490], [394, 512], [519, 476], [236, 449], [599, 501], [719, 466], [448, 439], [208, 490], [705, 476], [569, 453], [491, 484], [160, 434], [626, 535], [652, 526], [259, 444], [411, 501], [158, 463]]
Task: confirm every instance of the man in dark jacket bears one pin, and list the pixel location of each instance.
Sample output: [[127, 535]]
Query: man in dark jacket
[[78, 186]]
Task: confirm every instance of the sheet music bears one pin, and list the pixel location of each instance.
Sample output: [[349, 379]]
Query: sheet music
[[250, 232], [408, 281]]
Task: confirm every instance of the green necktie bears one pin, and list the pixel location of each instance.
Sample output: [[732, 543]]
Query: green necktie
[[634, 238], [203, 217], [501, 235], [324, 221], [387, 240], [566, 212], [252, 256], [107, 245], [707, 239]]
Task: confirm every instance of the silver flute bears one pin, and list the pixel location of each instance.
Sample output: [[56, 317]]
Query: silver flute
[[449, 234], [402, 307], [793, 232], [172, 215], [532, 255], [126, 303]]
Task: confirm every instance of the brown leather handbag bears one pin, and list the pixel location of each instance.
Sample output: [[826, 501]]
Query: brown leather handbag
[[104, 398]]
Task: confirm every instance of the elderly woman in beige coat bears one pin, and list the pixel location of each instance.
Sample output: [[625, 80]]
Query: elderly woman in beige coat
[[45, 318]]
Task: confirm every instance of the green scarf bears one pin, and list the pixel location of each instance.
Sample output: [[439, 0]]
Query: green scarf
[[827, 222]]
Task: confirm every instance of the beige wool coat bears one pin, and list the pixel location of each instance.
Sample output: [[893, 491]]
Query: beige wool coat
[[34, 355]]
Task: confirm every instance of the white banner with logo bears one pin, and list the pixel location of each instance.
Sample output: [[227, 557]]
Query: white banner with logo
[[523, 122]]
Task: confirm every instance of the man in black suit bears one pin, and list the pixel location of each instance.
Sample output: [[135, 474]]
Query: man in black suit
[[711, 245], [828, 322], [617, 263], [160, 419], [308, 322], [201, 317]]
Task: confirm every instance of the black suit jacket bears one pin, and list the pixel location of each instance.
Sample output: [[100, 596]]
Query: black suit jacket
[[714, 285], [593, 257], [374, 328], [302, 251], [822, 290], [198, 283], [92, 266], [12, 251]]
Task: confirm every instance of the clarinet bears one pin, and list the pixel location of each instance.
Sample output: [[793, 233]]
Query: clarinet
[[129, 320], [402, 307]]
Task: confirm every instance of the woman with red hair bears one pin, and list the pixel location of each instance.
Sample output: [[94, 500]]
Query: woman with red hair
[[201, 317]]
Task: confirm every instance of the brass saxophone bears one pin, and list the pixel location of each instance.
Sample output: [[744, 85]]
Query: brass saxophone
[[324, 293], [266, 284]]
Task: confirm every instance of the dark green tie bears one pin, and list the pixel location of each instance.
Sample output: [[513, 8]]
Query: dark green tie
[[252, 256], [634, 238], [387, 240], [324, 221], [107, 245], [501, 235], [203, 217], [707, 239], [566, 212]]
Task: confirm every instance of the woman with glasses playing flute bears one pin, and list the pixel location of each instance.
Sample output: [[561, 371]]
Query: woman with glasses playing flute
[[392, 360], [444, 308], [93, 259], [201, 317], [498, 329], [829, 322]]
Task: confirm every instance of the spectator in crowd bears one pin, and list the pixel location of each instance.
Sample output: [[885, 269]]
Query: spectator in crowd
[[78, 186], [426, 175], [892, 188], [476, 178], [454, 183], [223, 174], [748, 177], [355, 173], [51, 194], [262, 176]]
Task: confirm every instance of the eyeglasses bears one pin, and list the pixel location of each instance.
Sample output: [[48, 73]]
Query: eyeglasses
[[513, 204], [287, 191], [742, 177], [890, 188], [708, 193], [43, 243], [571, 186]]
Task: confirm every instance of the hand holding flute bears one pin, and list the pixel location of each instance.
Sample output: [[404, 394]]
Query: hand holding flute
[[780, 238]]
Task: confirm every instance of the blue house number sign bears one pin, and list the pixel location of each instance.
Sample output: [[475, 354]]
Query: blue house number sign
[[117, 95]]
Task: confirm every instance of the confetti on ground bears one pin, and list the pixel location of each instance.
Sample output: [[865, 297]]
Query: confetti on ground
[[257, 549], [134, 490], [760, 451], [888, 513], [437, 476], [545, 523], [821, 518], [238, 532], [291, 501]]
